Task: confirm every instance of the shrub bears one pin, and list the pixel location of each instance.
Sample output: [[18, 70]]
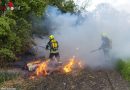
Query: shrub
[[4, 76], [123, 66]]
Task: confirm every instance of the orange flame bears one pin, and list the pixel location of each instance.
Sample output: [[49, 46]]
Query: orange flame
[[68, 68], [42, 69], [72, 64]]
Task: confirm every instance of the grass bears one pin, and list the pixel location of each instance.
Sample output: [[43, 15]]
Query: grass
[[123, 66], [5, 76]]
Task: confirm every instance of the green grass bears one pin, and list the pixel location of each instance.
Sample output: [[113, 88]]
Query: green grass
[[123, 66], [5, 76]]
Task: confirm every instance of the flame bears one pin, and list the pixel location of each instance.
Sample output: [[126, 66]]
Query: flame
[[68, 68], [71, 65], [42, 69]]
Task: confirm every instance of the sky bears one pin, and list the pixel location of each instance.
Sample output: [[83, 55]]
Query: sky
[[122, 5]]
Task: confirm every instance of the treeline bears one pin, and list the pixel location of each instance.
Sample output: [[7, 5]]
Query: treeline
[[16, 25]]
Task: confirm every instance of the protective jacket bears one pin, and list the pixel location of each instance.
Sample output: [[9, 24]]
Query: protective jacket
[[106, 43], [53, 46]]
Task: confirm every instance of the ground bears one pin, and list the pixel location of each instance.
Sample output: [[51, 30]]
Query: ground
[[86, 79]]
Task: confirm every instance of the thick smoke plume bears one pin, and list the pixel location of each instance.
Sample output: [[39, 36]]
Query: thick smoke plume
[[80, 33]]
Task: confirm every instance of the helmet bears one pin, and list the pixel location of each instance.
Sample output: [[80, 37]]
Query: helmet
[[51, 37], [104, 34]]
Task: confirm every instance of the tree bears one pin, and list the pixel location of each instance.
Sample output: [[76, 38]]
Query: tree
[[16, 26], [63, 5], [9, 41]]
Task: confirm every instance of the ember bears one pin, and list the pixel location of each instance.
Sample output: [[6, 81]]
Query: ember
[[32, 77]]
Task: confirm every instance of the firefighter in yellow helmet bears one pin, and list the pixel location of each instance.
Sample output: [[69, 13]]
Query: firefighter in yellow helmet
[[53, 46], [106, 45]]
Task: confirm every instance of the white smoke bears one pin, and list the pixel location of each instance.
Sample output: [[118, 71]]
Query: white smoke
[[78, 34], [121, 5]]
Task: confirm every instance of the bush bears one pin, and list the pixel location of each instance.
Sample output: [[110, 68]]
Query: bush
[[123, 66], [10, 43], [120, 65], [6, 54], [4, 76]]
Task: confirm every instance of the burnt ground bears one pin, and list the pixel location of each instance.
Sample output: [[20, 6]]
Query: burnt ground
[[86, 79]]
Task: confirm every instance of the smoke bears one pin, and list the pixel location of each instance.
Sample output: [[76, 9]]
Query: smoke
[[80, 33]]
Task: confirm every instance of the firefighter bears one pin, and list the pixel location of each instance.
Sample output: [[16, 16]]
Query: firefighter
[[52, 45], [106, 45]]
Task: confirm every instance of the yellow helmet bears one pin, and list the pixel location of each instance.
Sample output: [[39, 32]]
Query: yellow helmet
[[104, 34], [51, 37]]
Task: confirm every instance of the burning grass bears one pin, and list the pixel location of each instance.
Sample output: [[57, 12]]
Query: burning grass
[[47, 67], [71, 65], [47, 70], [42, 69], [56, 80]]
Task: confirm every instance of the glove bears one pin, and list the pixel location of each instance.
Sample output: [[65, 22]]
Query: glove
[[46, 48]]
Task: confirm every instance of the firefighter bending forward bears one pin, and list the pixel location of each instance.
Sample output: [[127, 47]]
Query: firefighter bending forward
[[52, 45]]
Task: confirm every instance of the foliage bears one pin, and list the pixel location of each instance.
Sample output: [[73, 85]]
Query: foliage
[[123, 67], [16, 26], [6, 54], [63, 5], [4, 76], [9, 41]]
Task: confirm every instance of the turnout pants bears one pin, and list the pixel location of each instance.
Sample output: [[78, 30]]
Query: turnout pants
[[56, 55]]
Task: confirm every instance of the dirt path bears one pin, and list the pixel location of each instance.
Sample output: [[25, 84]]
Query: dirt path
[[83, 80], [117, 82]]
